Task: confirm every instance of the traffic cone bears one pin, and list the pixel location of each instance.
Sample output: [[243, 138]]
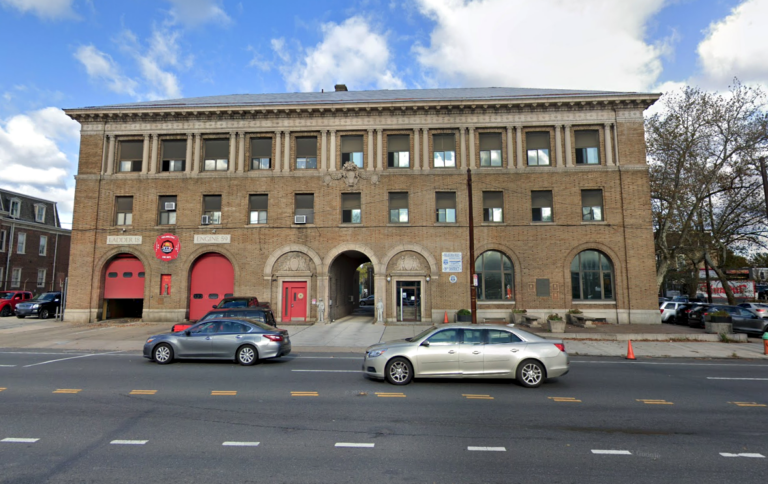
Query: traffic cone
[[445, 319], [630, 353]]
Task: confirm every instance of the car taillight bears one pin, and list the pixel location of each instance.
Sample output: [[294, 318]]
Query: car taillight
[[273, 337], [661, 310], [560, 346], [760, 310]]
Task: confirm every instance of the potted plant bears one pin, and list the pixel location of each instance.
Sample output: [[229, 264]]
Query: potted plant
[[464, 316], [719, 317], [555, 323]]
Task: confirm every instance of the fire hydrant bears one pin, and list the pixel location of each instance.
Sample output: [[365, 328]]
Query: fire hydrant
[[765, 343]]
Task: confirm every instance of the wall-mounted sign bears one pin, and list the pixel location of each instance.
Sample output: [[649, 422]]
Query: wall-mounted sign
[[212, 239], [453, 279], [451, 261], [167, 247], [124, 240]]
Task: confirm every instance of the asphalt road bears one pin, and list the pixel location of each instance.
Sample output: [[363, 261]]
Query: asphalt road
[[119, 418]]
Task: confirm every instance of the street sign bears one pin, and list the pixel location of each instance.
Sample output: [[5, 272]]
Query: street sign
[[452, 262]]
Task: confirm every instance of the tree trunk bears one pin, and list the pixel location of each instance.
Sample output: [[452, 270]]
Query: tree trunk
[[723, 280], [661, 272]]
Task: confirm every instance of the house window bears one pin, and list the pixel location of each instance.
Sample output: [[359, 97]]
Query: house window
[[541, 206], [261, 153], [399, 151], [305, 205], [131, 154], [445, 205], [587, 147], [306, 153], [16, 277], [591, 276], [493, 206], [15, 208], [3, 235], [398, 207], [490, 149], [352, 150], [212, 208], [257, 204], [123, 210], [537, 145], [39, 213], [495, 277], [166, 209], [174, 155], [350, 208], [21, 245], [592, 205], [216, 154], [41, 277], [43, 245], [444, 150]]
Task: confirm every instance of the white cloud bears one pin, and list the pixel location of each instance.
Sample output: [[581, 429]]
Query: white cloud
[[100, 66], [586, 44], [45, 9], [350, 53], [193, 13]]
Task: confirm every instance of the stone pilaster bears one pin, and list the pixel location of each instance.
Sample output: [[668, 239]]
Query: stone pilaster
[[232, 152], [379, 148], [463, 147], [519, 146], [188, 160], [323, 150], [197, 154], [278, 152], [111, 155], [287, 152], [608, 145], [369, 165], [425, 150], [472, 158], [558, 144], [568, 155], [416, 149], [240, 152], [154, 153], [145, 154], [510, 149], [332, 154]]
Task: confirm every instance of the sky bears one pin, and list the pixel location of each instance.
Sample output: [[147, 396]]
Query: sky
[[59, 54]]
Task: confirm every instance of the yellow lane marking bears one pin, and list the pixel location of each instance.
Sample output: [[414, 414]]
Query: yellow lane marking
[[68, 390], [564, 399], [142, 392], [390, 395], [749, 404], [654, 401], [223, 392], [470, 396], [304, 394]]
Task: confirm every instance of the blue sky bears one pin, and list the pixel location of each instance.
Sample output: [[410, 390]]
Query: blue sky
[[73, 53]]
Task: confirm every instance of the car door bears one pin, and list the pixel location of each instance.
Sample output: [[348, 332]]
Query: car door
[[228, 338], [503, 352], [440, 355], [749, 321], [196, 342], [471, 352]]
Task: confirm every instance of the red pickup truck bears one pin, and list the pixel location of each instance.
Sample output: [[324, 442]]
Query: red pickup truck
[[9, 300]]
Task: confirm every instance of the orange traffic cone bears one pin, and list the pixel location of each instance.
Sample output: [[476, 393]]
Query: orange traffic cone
[[445, 319], [630, 353]]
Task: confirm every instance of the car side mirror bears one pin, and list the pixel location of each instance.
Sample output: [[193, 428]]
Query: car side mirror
[[186, 333], [425, 343]]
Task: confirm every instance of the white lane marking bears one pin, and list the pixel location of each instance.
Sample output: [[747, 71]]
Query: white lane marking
[[129, 442], [612, 452], [755, 456], [324, 357], [241, 444], [725, 378], [329, 371], [354, 445], [488, 449], [72, 358], [16, 440], [7, 366], [635, 363]]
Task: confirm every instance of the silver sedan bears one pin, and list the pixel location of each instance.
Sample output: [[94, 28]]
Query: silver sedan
[[244, 340], [468, 351]]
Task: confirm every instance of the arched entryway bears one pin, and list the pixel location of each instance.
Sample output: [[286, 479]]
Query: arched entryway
[[211, 279], [123, 287], [350, 277]]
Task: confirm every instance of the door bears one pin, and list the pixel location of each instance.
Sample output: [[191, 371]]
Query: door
[[502, 352], [211, 280], [294, 301], [471, 352], [124, 278], [441, 356], [408, 302], [228, 338], [747, 321], [198, 343]]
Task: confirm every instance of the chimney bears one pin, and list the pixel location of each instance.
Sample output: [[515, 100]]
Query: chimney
[[340, 87]]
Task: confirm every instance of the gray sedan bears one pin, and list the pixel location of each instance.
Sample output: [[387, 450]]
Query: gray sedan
[[468, 351], [244, 340]]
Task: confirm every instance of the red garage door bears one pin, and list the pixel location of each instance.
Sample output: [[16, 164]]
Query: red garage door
[[124, 278], [212, 279]]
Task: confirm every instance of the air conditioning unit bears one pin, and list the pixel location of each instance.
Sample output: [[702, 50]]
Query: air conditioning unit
[[300, 219], [170, 206], [206, 220]]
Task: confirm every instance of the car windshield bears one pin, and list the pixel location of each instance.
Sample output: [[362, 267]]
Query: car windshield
[[237, 303], [6, 295], [422, 334], [46, 296]]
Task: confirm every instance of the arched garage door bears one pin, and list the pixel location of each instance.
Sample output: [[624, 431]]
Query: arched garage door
[[211, 280], [124, 288]]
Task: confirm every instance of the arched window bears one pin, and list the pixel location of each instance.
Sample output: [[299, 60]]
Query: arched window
[[591, 276], [495, 277]]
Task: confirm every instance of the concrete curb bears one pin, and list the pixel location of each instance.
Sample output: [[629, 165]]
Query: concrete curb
[[709, 338]]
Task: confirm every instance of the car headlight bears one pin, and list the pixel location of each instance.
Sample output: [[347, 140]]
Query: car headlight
[[375, 353], [35, 306], [150, 340]]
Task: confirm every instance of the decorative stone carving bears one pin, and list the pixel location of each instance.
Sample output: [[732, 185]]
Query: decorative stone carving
[[351, 174], [409, 263], [294, 262]]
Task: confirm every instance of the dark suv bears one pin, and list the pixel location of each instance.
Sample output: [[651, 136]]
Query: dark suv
[[237, 302], [43, 306], [261, 313]]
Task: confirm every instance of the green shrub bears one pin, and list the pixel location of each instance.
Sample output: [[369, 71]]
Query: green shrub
[[519, 311], [554, 317], [574, 311], [464, 312]]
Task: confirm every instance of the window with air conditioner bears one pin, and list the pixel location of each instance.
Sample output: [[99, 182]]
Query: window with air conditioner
[[592, 206], [398, 207], [212, 208], [130, 156], [305, 206], [261, 153], [352, 150], [216, 154], [537, 147], [398, 151], [444, 150], [490, 149], [123, 210], [445, 207], [493, 207], [257, 205], [351, 213], [306, 153], [587, 147], [541, 206], [166, 210], [174, 155]]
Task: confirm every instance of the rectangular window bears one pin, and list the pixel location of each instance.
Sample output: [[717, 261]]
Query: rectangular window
[[537, 145], [398, 151], [123, 210], [131, 154], [216, 154], [166, 209], [493, 206], [398, 208], [41, 277], [257, 205], [212, 208], [445, 205], [352, 150], [350, 208], [306, 153], [39, 213], [21, 245], [541, 206], [444, 150], [3, 235], [490, 149], [16, 277], [592, 205], [587, 147], [43, 245], [261, 153], [305, 205], [15, 208], [174, 155]]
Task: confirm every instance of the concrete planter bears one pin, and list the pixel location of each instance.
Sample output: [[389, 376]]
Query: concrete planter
[[556, 326], [718, 328], [466, 318], [519, 318], [574, 319]]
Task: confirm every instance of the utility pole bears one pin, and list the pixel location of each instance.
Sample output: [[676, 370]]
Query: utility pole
[[765, 181], [472, 275]]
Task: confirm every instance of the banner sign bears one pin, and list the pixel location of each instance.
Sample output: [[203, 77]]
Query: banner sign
[[167, 247], [741, 289]]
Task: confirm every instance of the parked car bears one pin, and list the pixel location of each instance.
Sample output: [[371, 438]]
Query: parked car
[[696, 315], [9, 300], [368, 300], [662, 300], [237, 302], [43, 306], [760, 309], [244, 340], [683, 312], [262, 313], [468, 351], [743, 320], [669, 311]]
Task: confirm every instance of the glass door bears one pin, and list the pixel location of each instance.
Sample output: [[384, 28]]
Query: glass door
[[408, 300]]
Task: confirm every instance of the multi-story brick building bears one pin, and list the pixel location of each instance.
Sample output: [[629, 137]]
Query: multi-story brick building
[[283, 196], [34, 248]]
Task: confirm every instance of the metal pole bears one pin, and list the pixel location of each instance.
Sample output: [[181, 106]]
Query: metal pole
[[765, 181], [472, 288]]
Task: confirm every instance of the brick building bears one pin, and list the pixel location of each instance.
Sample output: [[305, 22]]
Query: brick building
[[34, 248], [282, 196]]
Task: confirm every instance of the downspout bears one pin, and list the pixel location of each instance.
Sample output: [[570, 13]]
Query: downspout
[[9, 246]]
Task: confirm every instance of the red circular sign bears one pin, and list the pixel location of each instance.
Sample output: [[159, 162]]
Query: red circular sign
[[167, 247]]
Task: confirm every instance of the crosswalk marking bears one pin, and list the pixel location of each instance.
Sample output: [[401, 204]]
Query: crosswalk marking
[[390, 395], [353, 445], [223, 392], [68, 390], [305, 394], [240, 444], [143, 392], [487, 449], [18, 440], [748, 404], [611, 452], [654, 401], [564, 399], [743, 454], [129, 442]]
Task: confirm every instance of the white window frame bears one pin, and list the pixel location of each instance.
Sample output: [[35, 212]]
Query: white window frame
[[43, 245], [41, 280], [39, 213], [16, 277], [15, 208], [21, 243]]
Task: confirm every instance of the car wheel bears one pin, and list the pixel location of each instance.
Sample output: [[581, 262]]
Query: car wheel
[[44, 314], [399, 371], [5, 312], [362, 303], [530, 374], [247, 355], [20, 317], [162, 354]]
